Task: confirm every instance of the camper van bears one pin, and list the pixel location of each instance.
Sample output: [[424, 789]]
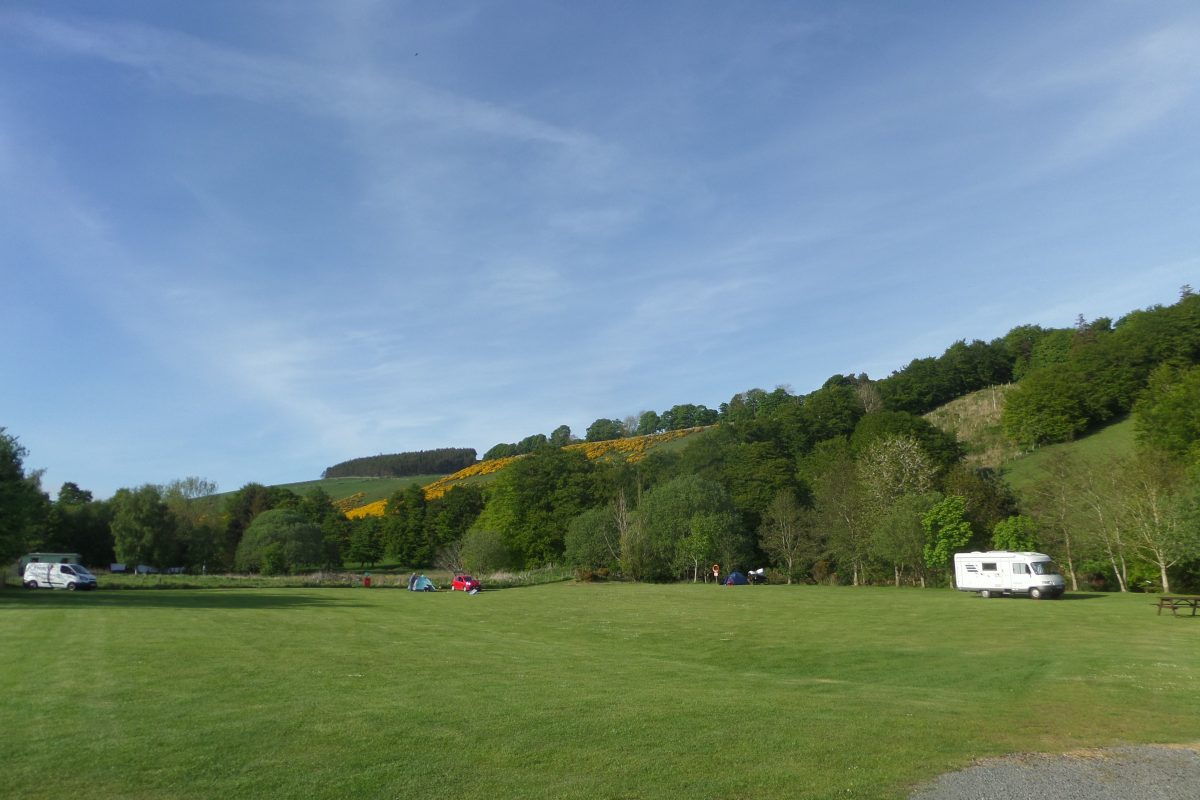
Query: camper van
[[1000, 572], [58, 576]]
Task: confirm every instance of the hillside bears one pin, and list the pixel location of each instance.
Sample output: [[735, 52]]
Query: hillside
[[1116, 439], [630, 450], [975, 420]]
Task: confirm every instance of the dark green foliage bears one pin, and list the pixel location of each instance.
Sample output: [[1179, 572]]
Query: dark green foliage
[[686, 415], [284, 537], [1104, 370], [75, 523], [535, 498], [366, 541], [485, 551], [442, 461], [927, 383], [415, 530], [560, 436], [687, 507], [941, 447], [648, 423], [593, 541], [1167, 415], [604, 430], [755, 474], [144, 529], [23, 505], [1047, 406], [243, 506], [988, 498]]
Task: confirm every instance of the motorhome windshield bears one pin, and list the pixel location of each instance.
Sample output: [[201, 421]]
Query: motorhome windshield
[[1044, 568]]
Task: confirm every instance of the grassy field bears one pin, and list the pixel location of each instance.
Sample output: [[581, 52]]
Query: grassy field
[[569, 690], [1116, 439]]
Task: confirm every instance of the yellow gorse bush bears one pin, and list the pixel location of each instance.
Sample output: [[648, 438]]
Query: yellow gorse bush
[[630, 450], [374, 509]]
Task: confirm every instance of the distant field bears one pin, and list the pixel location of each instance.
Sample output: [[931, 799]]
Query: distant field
[[372, 488], [1116, 439], [570, 690]]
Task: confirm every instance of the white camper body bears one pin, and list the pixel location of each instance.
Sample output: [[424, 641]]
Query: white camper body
[[40, 575], [1000, 572]]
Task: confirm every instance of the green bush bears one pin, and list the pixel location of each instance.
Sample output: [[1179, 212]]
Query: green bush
[[292, 541], [484, 550]]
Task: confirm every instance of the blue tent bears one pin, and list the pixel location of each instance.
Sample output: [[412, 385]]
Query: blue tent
[[736, 579], [419, 583]]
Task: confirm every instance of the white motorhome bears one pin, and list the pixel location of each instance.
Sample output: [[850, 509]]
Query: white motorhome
[[58, 576], [1000, 572]]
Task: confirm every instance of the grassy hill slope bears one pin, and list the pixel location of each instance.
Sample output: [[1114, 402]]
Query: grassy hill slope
[[975, 419], [1116, 439]]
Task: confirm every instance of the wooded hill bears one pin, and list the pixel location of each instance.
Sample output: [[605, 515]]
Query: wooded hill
[[401, 465], [847, 483]]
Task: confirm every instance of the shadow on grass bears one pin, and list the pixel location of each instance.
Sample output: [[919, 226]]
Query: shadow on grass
[[199, 598], [1085, 595]]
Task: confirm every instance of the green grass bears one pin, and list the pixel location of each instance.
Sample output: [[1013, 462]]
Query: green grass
[[569, 690], [1116, 439]]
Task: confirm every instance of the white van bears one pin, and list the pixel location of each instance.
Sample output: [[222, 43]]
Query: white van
[[1000, 572], [58, 576]]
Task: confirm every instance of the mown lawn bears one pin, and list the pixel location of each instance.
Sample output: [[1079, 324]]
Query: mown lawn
[[568, 690]]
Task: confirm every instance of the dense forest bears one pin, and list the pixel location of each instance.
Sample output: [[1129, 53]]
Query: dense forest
[[401, 465], [845, 484]]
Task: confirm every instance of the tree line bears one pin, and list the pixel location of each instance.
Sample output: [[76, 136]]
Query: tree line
[[846, 483], [442, 461]]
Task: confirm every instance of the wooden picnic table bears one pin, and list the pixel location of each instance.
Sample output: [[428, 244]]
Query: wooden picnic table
[[1176, 603]]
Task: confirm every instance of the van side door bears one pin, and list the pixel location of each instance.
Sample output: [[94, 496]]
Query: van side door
[[1020, 577]]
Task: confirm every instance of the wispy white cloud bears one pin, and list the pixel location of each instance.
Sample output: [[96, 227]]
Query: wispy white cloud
[[193, 65], [1104, 94]]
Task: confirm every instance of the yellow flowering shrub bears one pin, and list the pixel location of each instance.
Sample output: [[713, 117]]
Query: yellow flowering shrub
[[375, 509], [630, 450]]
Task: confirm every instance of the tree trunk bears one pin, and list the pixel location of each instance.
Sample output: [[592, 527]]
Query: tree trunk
[[1071, 563], [896, 569], [1117, 572], [1162, 569]]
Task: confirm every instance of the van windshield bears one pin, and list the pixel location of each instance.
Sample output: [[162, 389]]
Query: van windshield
[[1044, 568]]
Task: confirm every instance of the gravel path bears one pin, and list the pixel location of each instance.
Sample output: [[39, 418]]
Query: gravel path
[[1121, 773]]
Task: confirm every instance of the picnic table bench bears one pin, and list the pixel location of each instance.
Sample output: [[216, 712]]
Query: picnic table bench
[[1176, 603]]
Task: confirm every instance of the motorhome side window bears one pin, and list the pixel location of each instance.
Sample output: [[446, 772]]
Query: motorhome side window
[[66, 570], [1020, 569], [989, 566]]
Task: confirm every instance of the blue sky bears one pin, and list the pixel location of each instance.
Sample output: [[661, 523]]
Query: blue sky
[[247, 240]]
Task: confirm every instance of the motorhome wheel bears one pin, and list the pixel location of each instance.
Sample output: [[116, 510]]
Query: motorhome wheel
[[1035, 593], [985, 594], [71, 586], [32, 584]]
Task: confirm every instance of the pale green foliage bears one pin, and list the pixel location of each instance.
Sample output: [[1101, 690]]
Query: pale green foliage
[[484, 550], [1017, 533], [668, 514], [592, 540], [296, 542], [945, 530], [892, 467], [898, 535], [788, 534]]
